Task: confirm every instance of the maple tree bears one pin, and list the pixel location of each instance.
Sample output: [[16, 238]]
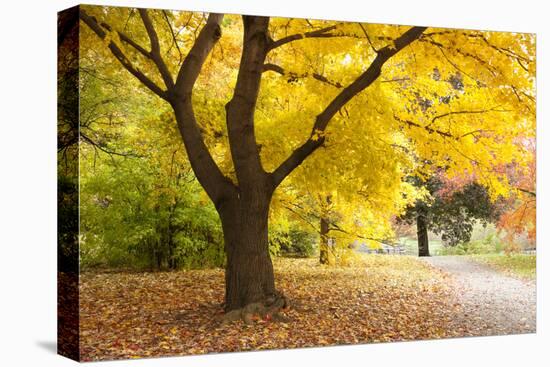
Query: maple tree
[[521, 216], [351, 107]]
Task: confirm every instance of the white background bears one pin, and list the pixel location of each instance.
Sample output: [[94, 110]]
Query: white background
[[28, 182]]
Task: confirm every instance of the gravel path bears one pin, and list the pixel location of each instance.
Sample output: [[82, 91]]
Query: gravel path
[[492, 302]]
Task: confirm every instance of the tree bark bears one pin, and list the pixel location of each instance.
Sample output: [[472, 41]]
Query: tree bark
[[326, 203], [323, 244], [249, 271], [422, 234]]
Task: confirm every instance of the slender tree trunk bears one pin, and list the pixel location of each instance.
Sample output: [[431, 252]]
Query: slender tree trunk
[[323, 243], [171, 261], [422, 233], [325, 223], [159, 259]]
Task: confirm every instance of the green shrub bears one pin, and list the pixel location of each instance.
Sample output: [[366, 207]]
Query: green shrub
[[293, 242], [134, 218]]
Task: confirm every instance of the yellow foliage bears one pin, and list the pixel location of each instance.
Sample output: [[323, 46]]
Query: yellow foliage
[[458, 99]]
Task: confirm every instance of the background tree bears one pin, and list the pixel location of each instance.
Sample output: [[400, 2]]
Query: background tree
[[449, 212]]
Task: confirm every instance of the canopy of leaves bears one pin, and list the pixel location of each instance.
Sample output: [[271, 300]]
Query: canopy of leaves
[[459, 99]]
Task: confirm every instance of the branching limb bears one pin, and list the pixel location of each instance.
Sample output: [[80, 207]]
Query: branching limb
[[316, 138], [217, 186], [178, 94], [126, 39], [120, 56], [192, 65], [104, 149], [337, 228], [155, 49], [368, 37]]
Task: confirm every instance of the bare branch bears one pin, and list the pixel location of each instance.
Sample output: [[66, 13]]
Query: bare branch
[[104, 149], [303, 218], [276, 68], [125, 38], [494, 109], [293, 76], [337, 228], [173, 35], [427, 128], [505, 51], [368, 38], [529, 192], [319, 33], [473, 132]]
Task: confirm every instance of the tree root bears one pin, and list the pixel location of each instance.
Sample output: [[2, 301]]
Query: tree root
[[267, 310]]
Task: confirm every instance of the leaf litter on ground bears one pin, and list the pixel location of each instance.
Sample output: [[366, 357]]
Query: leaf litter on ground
[[378, 298]]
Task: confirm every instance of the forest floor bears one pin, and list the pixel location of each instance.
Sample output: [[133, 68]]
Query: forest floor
[[499, 303], [379, 298]]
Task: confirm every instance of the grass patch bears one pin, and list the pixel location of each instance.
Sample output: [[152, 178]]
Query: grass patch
[[521, 265]]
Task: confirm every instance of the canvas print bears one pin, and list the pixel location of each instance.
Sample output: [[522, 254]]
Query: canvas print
[[231, 183]]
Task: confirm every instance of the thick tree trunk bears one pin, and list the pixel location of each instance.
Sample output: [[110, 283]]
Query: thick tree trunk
[[422, 233], [323, 243], [249, 271]]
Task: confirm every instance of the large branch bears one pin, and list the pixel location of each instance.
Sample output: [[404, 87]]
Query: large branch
[[153, 55], [155, 49], [216, 185], [240, 109], [327, 32], [178, 95], [120, 56], [126, 39], [192, 65], [316, 138]]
